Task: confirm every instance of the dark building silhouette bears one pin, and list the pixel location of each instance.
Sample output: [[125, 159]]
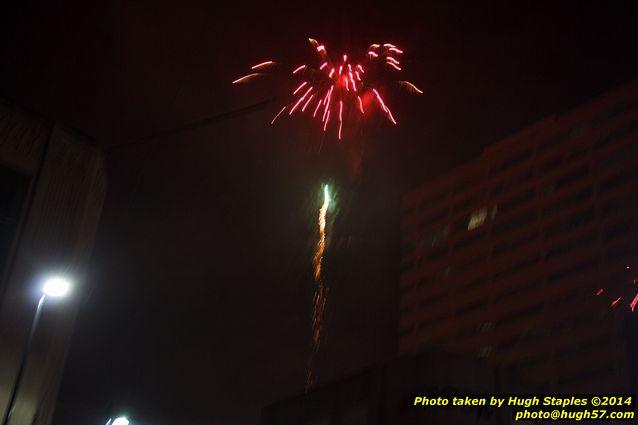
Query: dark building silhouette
[[384, 395], [52, 186], [517, 256]]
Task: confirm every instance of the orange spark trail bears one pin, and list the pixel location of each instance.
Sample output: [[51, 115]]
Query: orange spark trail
[[277, 116], [321, 292], [261, 65], [247, 77]]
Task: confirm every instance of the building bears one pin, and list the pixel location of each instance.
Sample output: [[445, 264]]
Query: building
[[520, 256], [384, 395], [52, 186]]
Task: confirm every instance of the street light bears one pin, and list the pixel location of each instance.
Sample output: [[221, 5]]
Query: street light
[[54, 287], [119, 421]]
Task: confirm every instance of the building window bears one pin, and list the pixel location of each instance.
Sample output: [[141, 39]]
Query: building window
[[433, 217], [435, 277], [355, 415], [477, 219], [579, 268], [472, 306], [437, 235], [518, 222], [555, 141], [521, 265], [511, 245], [433, 299], [485, 327], [520, 314], [567, 202], [516, 180], [516, 201], [485, 351], [615, 111], [518, 289], [617, 134], [514, 160], [627, 176], [573, 221]]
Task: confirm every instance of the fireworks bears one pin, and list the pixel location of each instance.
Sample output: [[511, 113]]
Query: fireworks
[[632, 299], [321, 292], [340, 88]]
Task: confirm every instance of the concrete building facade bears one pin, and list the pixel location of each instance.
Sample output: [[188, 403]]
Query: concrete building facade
[[518, 256], [53, 184]]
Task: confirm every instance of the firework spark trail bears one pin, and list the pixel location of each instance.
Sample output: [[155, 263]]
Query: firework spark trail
[[333, 83], [634, 298], [321, 292]]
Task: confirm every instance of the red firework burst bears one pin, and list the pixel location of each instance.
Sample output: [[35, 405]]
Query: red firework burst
[[631, 294], [334, 88]]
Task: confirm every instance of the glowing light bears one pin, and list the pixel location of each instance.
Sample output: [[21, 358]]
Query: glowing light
[[307, 102], [600, 292], [247, 77], [300, 87], [56, 287], [633, 303], [340, 83], [354, 85], [317, 108], [261, 65], [300, 100], [299, 69], [120, 421], [321, 292], [615, 302], [277, 116], [385, 108], [340, 116], [411, 87]]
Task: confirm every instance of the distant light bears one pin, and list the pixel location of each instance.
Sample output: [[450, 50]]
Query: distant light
[[57, 287], [326, 195], [120, 421]]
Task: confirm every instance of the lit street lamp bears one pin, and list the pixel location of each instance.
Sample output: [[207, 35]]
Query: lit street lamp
[[55, 288], [118, 421]]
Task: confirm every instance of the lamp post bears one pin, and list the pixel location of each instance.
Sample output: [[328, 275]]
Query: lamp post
[[55, 288]]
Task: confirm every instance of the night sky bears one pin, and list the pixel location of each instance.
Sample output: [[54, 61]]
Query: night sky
[[197, 305]]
